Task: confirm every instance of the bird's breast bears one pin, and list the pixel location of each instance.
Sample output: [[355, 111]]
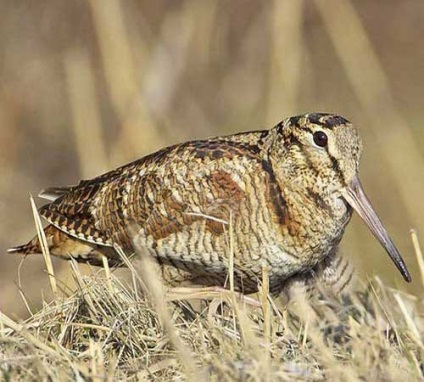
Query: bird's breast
[[309, 231]]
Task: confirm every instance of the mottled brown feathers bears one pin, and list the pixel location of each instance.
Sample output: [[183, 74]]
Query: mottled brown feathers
[[184, 204]]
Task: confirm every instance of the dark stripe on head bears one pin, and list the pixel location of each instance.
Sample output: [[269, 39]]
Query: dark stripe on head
[[327, 120], [280, 127], [295, 120], [290, 138], [316, 118], [293, 140], [335, 120]]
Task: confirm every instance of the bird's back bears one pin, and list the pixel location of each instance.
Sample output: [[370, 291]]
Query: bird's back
[[162, 194]]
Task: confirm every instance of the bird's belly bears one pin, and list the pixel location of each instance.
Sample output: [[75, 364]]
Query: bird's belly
[[201, 253]]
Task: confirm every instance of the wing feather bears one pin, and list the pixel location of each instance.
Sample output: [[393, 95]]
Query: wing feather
[[99, 210]]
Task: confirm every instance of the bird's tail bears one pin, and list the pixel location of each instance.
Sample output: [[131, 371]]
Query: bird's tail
[[32, 247], [64, 246]]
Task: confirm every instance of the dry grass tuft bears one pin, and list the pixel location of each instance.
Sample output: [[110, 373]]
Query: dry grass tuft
[[144, 74], [108, 330]]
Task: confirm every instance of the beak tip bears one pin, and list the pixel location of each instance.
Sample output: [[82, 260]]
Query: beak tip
[[404, 271]]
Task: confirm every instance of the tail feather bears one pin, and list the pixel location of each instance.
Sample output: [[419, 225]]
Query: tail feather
[[33, 247], [20, 250], [66, 247], [53, 193]]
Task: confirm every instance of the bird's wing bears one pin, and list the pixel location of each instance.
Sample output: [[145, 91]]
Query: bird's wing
[[155, 192], [77, 210], [209, 197]]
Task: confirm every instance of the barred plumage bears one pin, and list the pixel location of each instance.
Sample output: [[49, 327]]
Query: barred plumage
[[283, 197]]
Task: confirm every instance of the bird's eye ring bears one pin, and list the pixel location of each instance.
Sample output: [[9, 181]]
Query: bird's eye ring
[[320, 139]]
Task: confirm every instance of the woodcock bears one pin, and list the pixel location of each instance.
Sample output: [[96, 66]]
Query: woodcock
[[283, 197]]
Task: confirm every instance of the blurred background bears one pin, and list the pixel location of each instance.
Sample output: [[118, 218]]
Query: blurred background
[[86, 86]]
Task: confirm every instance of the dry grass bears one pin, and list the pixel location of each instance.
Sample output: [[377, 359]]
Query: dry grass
[[96, 84], [101, 83], [108, 330]]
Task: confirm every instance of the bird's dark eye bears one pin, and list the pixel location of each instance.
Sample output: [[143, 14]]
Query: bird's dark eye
[[320, 138]]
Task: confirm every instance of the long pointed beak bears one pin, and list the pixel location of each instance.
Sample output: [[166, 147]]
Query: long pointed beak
[[355, 196]]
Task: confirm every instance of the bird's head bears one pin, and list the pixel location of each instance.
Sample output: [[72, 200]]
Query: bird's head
[[319, 154]]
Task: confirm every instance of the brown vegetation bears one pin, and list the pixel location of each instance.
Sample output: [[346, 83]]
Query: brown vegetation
[[87, 86]]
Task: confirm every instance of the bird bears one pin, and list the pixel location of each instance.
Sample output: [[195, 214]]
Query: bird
[[278, 198]]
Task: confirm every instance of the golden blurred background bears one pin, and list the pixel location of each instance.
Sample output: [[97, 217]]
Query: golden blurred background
[[86, 86]]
